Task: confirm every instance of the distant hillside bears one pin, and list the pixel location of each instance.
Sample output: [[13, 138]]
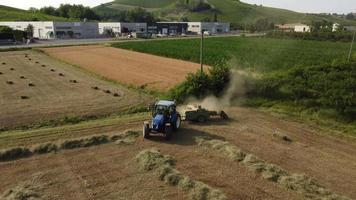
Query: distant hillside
[[14, 14], [234, 11]]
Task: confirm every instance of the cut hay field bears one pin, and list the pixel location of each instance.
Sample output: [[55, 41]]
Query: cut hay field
[[258, 54], [231, 158], [36, 89], [128, 67]]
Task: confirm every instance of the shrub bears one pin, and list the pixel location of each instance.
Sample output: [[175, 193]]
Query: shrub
[[72, 144], [201, 84], [343, 36], [15, 153]]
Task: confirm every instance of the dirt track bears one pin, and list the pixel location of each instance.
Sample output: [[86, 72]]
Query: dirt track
[[132, 68], [109, 171], [53, 96]]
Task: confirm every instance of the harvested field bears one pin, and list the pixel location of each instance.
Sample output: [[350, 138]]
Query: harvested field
[[35, 95], [111, 171], [132, 68]]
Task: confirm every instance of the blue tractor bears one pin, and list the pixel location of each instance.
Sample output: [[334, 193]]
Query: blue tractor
[[165, 119]]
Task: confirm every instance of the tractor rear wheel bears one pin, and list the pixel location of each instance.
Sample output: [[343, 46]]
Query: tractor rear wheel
[[177, 123], [146, 131]]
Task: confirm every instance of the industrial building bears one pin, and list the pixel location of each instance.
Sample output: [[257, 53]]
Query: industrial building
[[171, 28], [211, 27], [117, 28], [57, 30]]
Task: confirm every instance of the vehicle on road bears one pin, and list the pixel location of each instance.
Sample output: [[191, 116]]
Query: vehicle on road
[[165, 119]]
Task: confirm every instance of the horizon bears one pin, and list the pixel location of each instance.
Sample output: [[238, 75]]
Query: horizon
[[303, 6]]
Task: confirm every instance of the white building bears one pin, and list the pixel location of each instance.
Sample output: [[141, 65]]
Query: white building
[[212, 27], [120, 27], [53, 30], [302, 28]]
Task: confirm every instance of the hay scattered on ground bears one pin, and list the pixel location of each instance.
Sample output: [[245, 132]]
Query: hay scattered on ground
[[163, 166], [28, 190], [296, 182], [14, 153]]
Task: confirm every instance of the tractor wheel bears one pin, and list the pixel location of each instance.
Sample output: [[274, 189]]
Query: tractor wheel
[[177, 123], [168, 132], [223, 115], [201, 119], [146, 131]]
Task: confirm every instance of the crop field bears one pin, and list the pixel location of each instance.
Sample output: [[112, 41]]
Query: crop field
[[36, 89], [128, 67], [219, 160], [260, 54]]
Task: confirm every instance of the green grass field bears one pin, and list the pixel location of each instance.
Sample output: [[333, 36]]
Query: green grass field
[[257, 54]]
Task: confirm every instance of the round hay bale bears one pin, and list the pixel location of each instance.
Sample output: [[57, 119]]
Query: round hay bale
[[95, 88], [61, 74], [1, 73], [73, 81], [53, 70], [29, 59], [12, 69], [22, 77], [43, 65], [31, 84], [24, 97], [37, 62], [4, 63], [116, 95], [10, 82], [107, 91]]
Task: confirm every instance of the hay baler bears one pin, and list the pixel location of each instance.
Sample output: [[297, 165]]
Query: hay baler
[[165, 119], [199, 114]]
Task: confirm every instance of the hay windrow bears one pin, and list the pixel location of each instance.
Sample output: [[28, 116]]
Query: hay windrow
[[45, 148], [14, 153], [129, 137], [163, 166], [296, 182]]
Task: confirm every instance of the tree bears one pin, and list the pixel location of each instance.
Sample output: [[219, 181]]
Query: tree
[[5, 29], [29, 31], [350, 16], [140, 15], [49, 11], [215, 17]]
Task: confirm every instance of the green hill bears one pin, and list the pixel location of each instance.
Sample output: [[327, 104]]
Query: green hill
[[14, 14], [234, 11]]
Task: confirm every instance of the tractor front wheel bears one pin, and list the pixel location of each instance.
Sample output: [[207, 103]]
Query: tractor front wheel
[[146, 131], [168, 132]]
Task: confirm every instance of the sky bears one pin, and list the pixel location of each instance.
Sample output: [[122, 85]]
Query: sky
[[309, 6]]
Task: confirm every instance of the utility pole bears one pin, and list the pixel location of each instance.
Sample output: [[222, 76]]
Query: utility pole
[[201, 51], [352, 44]]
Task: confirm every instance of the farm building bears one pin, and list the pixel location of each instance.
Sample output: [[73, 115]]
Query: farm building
[[118, 28], [286, 27], [55, 30], [302, 28], [212, 27]]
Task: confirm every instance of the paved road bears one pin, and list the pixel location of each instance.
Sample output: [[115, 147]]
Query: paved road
[[69, 42]]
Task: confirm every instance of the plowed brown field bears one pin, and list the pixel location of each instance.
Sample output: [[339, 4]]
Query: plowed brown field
[[132, 68]]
